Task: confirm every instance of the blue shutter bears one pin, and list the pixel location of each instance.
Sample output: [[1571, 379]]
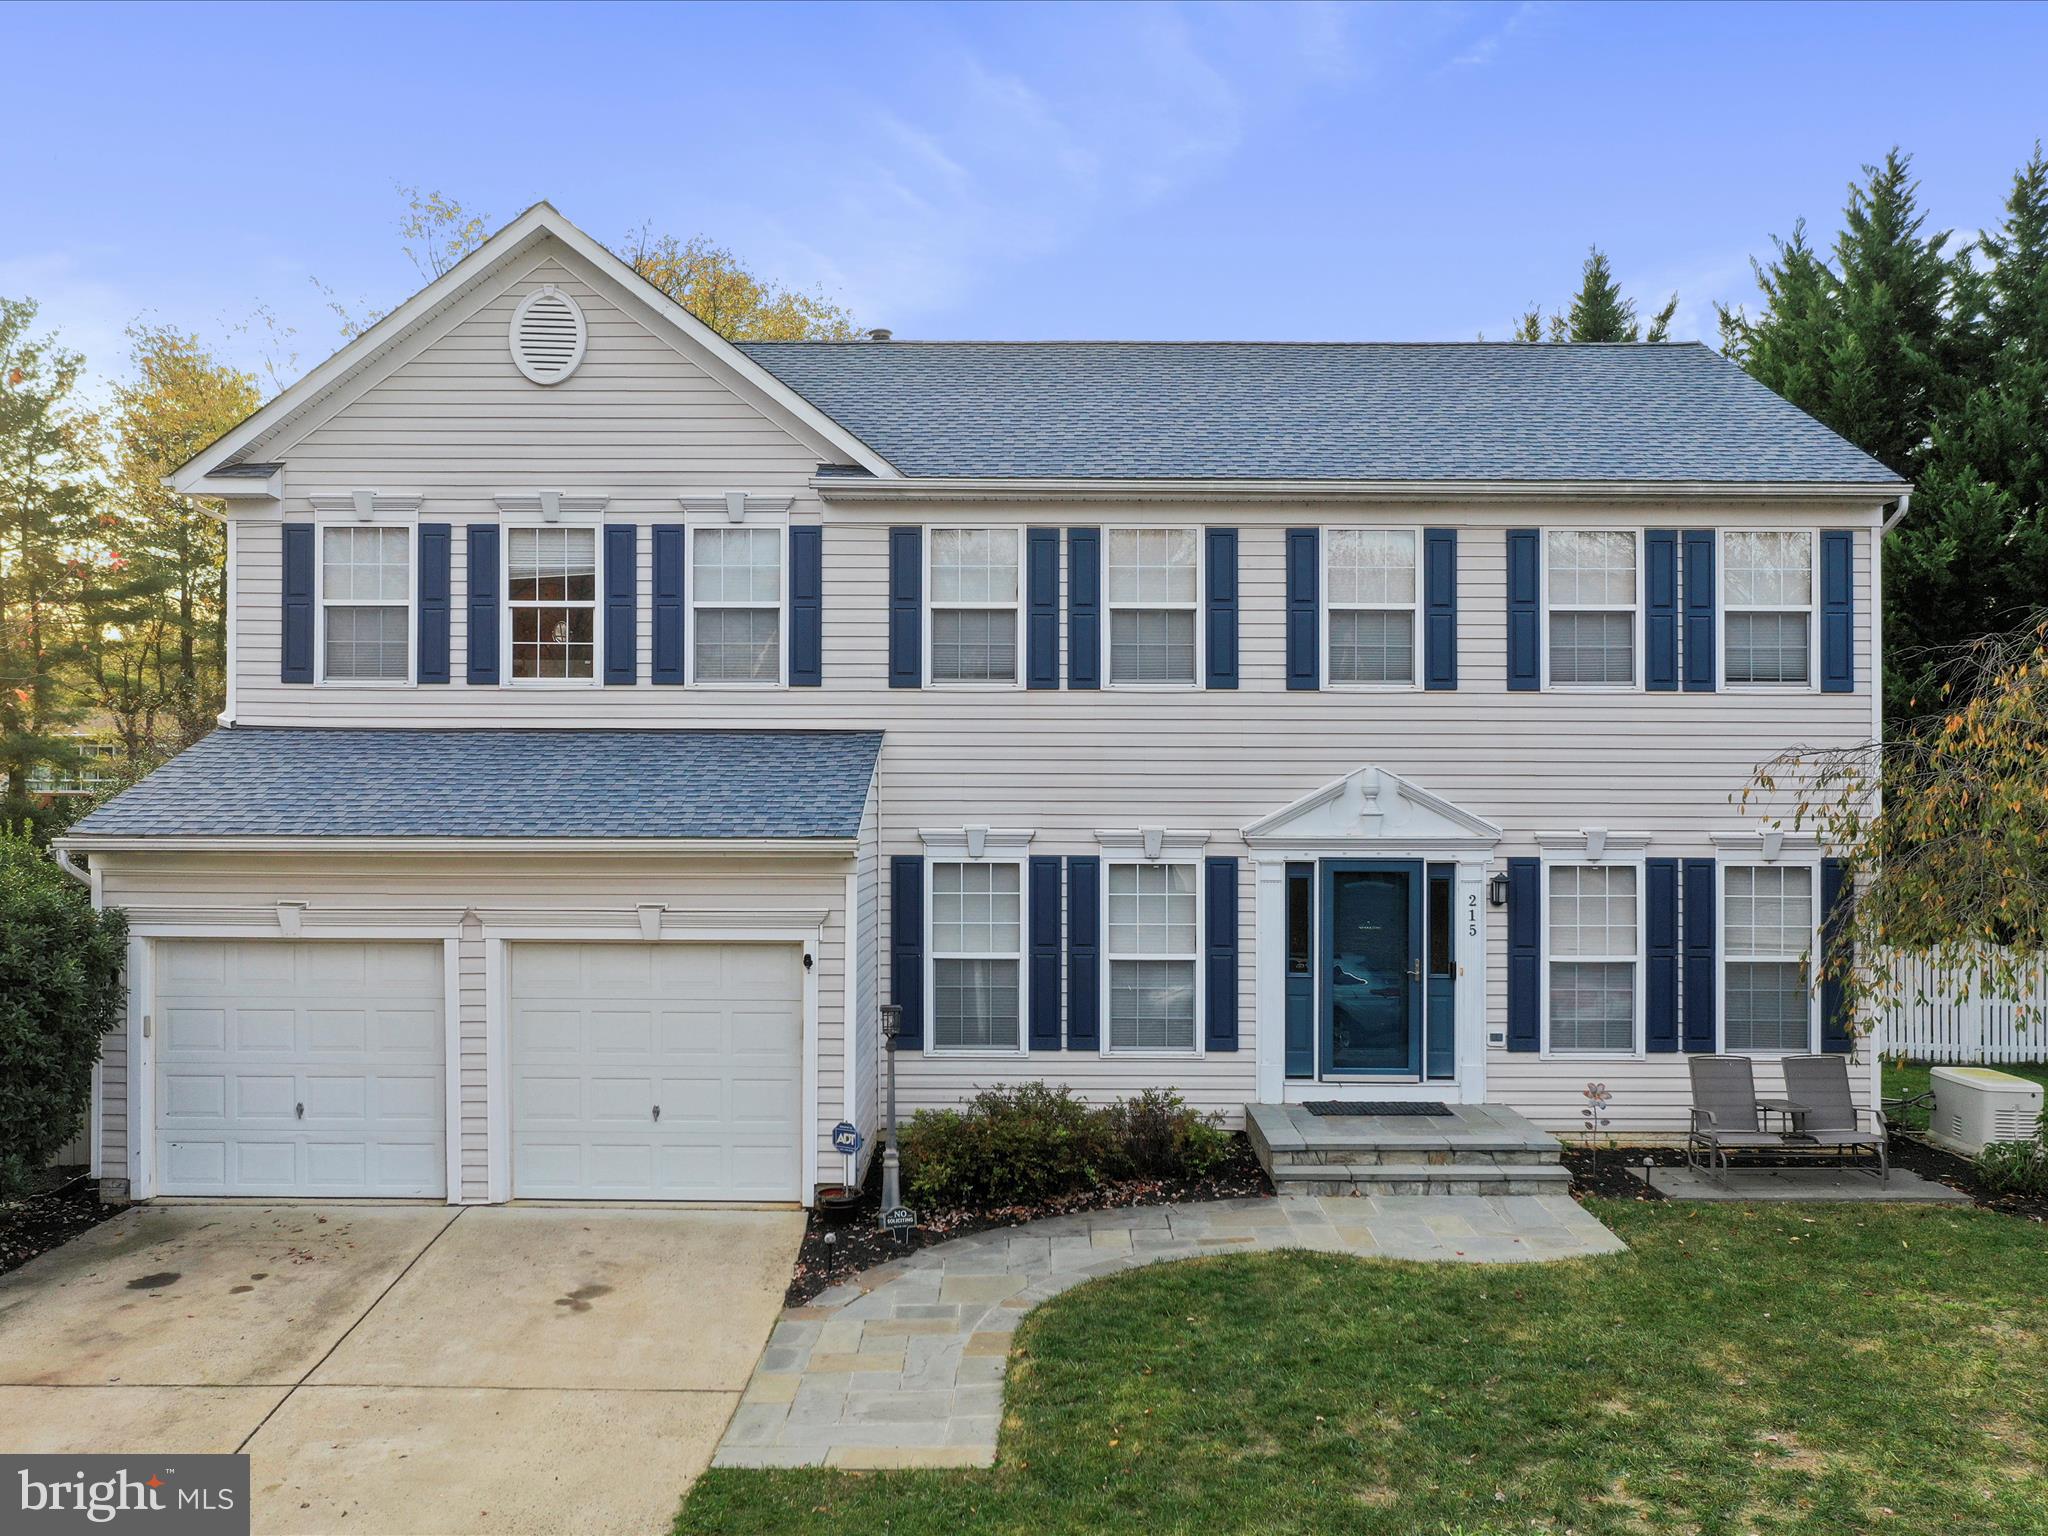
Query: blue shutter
[[1835, 1034], [906, 607], [1700, 667], [1221, 607], [1220, 990], [1042, 610], [1699, 955], [1837, 611], [436, 542], [1084, 951], [1525, 954], [669, 542], [906, 946], [484, 577], [1084, 608], [1045, 953], [296, 664], [1660, 982], [806, 607], [1660, 610], [621, 604], [1440, 609], [1525, 619], [1304, 666]]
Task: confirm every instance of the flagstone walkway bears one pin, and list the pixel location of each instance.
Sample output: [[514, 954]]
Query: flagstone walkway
[[903, 1366]]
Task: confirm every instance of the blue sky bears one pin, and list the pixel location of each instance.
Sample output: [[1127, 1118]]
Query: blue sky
[[1306, 171]]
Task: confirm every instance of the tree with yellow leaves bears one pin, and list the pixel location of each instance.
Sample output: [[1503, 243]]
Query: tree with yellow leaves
[[1942, 829]]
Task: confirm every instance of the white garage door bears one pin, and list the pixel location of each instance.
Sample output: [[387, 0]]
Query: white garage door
[[657, 1071], [290, 1068]]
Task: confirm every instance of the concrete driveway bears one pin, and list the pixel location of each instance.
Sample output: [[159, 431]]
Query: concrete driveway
[[404, 1370]]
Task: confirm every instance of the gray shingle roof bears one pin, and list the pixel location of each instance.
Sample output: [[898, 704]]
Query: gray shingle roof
[[1315, 411], [255, 781]]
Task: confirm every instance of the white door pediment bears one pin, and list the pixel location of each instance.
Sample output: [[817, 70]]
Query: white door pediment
[[1369, 809]]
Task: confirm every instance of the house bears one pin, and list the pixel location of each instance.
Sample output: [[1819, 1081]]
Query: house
[[619, 717]]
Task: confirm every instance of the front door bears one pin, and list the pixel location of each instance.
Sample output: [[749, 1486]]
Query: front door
[[1372, 932]]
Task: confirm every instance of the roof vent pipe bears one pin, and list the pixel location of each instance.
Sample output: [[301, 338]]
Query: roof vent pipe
[[881, 333]]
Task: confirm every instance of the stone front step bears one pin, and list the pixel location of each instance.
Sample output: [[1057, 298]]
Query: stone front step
[[1483, 1149], [1422, 1179]]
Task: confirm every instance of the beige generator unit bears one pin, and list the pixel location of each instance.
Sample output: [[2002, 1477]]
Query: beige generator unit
[[1974, 1106]]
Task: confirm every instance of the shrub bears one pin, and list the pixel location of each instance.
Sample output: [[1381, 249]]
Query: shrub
[[1034, 1142], [2016, 1167], [1157, 1136], [1010, 1146], [60, 990]]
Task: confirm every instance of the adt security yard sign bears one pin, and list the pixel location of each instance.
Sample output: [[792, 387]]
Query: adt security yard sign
[[846, 1138]]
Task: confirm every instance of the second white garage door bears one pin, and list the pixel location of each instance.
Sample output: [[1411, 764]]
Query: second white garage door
[[656, 1071]]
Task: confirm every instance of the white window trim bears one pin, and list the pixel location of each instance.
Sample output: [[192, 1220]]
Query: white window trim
[[1722, 610], [932, 604], [412, 602], [940, 849], [1722, 957], [506, 524], [1187, 857], [695, 524], [1636, 668], [1627, 858], [1194, 606], [1324, 605]]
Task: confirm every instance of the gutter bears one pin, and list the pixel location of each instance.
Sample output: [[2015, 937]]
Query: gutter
[[845, 488], [614, 847], [1898, 513]]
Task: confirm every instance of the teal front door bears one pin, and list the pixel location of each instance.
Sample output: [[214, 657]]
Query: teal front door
[[1372, 935]]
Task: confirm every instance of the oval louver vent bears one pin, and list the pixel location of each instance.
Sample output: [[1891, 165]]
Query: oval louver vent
[[547, 336]]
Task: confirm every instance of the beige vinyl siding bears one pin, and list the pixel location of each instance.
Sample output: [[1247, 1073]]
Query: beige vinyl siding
[[644, 423], [506, 891]]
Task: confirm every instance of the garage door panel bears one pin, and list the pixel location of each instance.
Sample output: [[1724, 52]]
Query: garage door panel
[[640, 1025], [256, 1029]]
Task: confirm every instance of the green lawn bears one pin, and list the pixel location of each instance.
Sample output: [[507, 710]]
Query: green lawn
[[1912, 1077], [1837, 1370]]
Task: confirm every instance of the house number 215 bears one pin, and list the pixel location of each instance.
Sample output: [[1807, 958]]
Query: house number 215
[[1472, 915]]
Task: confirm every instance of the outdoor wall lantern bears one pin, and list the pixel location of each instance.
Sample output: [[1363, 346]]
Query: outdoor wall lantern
[[1497, 891]]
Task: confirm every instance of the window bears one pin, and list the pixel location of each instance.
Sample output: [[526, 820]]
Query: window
[[1769, 911], [975, 614], [1591, 579], [1153, 582], [1593, 939], [1153, 946], [1767, 598], [977, 956], [736, 605], [1373, 588], [551, 588], [366, 604]]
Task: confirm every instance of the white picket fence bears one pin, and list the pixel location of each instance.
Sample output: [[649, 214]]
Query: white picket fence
[[1937, 1019]]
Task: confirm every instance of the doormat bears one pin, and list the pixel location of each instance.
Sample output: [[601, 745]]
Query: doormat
[[1367, 1107]]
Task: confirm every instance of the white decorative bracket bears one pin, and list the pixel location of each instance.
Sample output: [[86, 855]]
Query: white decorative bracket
[[1596, 843], [650, 918], [1774, 844], [291, 917], [977, 841], [1155, 841]]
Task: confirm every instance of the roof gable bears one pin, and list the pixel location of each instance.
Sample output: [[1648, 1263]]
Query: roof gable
[[471, 283], [1368, 807]]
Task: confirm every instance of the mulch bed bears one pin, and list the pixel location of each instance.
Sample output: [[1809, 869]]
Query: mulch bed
[[1606, 1174], [67, 1206], [839, 1248]]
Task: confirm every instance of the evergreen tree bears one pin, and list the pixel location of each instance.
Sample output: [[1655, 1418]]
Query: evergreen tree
[[1599, 312], [48, 503]]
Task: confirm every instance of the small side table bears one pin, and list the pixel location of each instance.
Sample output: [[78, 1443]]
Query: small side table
[[1793, 1111]]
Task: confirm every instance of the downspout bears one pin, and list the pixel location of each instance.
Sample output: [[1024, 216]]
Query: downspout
[[72, 867], [1898, 513]]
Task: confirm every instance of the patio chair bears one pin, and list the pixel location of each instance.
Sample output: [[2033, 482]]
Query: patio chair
[[1826, 1114], [1725, 1115]]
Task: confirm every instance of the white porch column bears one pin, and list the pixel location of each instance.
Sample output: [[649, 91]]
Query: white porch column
[[1469, 917], [1269, 976]]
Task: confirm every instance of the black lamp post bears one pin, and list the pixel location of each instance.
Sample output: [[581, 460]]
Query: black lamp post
[[892, 1188]]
